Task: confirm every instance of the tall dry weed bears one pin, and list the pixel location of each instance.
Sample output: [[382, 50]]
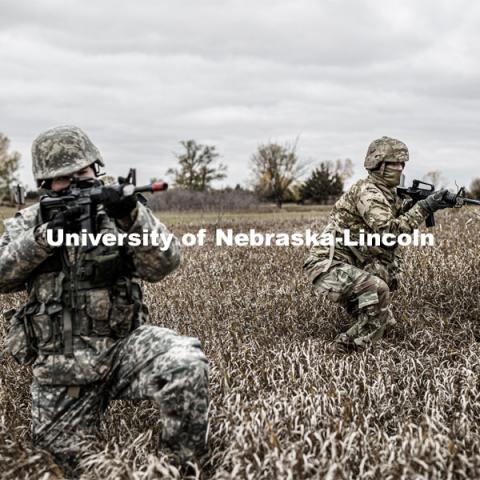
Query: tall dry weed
[[283, 406]]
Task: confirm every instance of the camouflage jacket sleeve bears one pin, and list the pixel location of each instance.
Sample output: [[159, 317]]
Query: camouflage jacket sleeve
[[22, 249], [378, 212], [152, 262]]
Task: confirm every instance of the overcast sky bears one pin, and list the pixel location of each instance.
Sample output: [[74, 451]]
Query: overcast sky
[[140, 76]]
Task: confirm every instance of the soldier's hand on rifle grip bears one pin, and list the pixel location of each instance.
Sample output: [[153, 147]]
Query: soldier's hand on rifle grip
[[116, 205], [66, 220], [436, 201]]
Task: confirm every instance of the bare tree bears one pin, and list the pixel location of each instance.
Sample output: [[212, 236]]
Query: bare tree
[[276, 168], [344, 169], [435, 177], [9, 163], [197, 167], [475, 188]]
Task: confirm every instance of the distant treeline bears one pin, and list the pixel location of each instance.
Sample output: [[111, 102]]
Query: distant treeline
[[276, 176]]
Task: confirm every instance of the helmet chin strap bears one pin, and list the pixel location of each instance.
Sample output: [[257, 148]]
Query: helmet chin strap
[[46, 184], [96, 169]]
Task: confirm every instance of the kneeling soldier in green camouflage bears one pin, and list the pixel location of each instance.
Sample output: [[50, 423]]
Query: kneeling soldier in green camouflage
[[362, 278], [84, 324]]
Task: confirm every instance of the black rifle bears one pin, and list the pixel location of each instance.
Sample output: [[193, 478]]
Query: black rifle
[[417, 193], [87, 193]]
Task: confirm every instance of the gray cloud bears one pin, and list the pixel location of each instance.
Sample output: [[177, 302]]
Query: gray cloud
[[139, 77]]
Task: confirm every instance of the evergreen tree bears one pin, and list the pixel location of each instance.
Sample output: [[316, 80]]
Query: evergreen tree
[[322, 184]]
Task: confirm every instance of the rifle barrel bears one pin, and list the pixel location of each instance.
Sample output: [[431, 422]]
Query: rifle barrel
[[152, 187]]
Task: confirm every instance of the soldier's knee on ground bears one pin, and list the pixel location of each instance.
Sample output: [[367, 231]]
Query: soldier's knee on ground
[[63, 424], [66, 451]]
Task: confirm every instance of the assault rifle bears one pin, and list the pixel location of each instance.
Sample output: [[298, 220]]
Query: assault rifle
[[87, 193], [417, 193]]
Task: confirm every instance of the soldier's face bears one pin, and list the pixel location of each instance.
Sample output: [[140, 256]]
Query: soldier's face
[[59, 183], [392, 173]]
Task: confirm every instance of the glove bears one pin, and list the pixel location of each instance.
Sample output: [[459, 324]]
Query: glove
[[66, 220], [116, 205], [436, 201]]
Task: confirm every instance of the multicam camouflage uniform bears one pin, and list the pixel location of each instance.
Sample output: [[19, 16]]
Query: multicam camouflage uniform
[[362, 278], [84, 328]]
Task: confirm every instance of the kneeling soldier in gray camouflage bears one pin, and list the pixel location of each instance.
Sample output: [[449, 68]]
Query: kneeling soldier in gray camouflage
[[83, 326], [362, 278]]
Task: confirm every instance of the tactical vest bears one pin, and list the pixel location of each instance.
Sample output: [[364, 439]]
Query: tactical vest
[[77, 293]]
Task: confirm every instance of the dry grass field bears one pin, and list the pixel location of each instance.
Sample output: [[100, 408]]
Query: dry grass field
[[283, 406]]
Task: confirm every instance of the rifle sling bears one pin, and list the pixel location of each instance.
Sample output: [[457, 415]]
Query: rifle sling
[[67, 332], [356, 252]]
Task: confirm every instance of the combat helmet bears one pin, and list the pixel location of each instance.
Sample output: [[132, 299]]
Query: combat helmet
[[62, 151], [385, 149]]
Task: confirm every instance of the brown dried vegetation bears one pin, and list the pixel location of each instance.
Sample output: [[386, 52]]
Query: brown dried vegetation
[[283, 405]]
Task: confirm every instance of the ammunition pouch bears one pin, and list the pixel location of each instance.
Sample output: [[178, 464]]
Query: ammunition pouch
[[126, 305], [47, 327], [102, 270], [20, 339], [114, 311]]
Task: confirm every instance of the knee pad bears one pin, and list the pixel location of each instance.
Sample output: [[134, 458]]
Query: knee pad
[[377, 295]]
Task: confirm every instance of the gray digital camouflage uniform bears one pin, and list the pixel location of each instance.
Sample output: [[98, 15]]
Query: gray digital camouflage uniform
[[98, 348], [361, 278]]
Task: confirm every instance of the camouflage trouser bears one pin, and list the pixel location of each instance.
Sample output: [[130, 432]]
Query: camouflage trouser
[[151, 363], [364, 295]]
